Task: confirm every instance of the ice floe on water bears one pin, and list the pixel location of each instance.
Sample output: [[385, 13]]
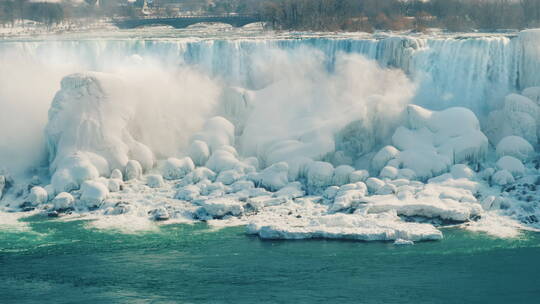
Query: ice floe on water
[[306, 152]]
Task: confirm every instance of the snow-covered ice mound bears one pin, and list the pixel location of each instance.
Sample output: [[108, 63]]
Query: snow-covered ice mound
[[519, 116], [432, 141], [88, 131]]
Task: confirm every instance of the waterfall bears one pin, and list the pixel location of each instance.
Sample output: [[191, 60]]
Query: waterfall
[[475, 72]]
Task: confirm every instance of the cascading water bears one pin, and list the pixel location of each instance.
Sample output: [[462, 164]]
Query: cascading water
[[465, 71]]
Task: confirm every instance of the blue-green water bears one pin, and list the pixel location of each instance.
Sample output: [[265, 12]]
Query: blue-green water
[[64, 262]]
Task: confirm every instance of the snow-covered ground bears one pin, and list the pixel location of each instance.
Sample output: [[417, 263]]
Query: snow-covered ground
[[304, 152], [30, 28]]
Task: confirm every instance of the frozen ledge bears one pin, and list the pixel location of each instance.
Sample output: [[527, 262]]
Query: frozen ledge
[[379, 227]]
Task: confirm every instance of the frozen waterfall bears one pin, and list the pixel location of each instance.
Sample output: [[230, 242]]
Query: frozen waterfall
[[297, 137]]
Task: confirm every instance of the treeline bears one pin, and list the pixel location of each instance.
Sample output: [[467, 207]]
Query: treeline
[[48, 13], [51, 13], [317, 15], [367, 15]]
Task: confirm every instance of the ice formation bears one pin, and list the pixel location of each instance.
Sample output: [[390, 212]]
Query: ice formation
[[519, 116], [431, 142], [312, 144], [88, 131], [515, 146]]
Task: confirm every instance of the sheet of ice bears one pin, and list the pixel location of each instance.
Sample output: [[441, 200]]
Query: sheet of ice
[[378, 227]]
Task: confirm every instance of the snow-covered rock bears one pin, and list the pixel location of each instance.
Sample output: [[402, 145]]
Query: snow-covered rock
[[160, 214], [374, 184], [342, 175], [358, 176], [406, 174], [387, 189], [217, 132], [533, 93], [502, 178], [37, 196], [115, 185], [93, 193], [319, 176], [389, 172], [221, 160], [63, 200], [274, 177], [382, 157], [200, 174], [219, 207], [117, 174], [188, 193], [291, 191], [242, 185], [520, 103], [154, 181], [199, 152], [175, 168], [330, 192], [228, 177], [512, 165], [72, 171], [348, 195], [298, 167], [462, 171], [133, 170], [518, 117], [515, 146]]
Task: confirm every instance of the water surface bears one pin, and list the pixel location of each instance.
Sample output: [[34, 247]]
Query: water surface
[[65, 262]]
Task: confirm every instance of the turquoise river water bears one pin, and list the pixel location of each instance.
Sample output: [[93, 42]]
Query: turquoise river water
[[65, 262]]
